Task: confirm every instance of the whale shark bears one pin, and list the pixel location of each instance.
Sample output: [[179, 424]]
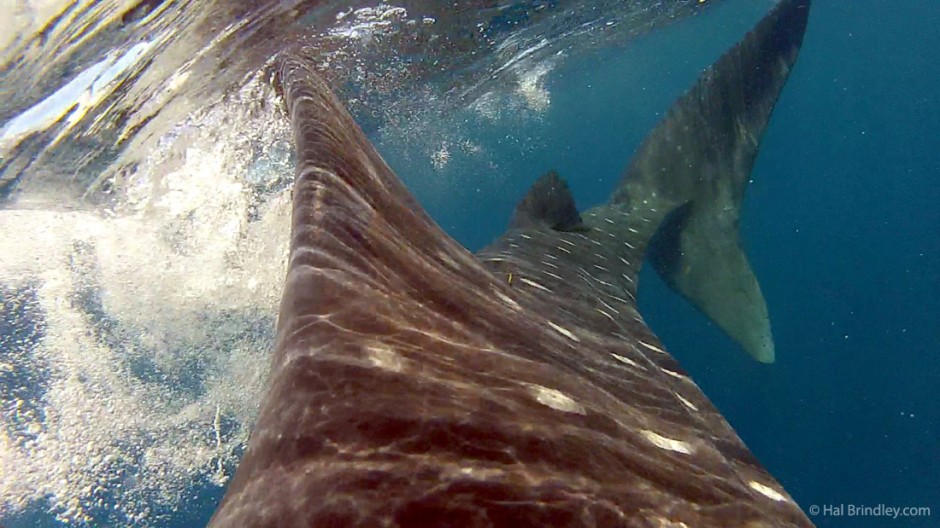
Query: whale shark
[[416, 384]]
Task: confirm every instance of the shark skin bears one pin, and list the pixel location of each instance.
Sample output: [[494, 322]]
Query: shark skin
[[707, 145], [415, 384]]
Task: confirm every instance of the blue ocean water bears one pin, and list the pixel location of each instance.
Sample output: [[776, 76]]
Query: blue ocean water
[[841, 224]]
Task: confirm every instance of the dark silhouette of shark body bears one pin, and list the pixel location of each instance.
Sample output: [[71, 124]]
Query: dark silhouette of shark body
[[415, 384]]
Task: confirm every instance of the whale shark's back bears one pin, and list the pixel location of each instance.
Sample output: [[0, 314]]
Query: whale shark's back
[[417, 385]]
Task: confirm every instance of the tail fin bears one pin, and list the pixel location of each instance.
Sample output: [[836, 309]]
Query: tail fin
[[693, 168]]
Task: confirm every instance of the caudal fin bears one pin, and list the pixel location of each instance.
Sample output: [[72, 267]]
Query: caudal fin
[[693, 169]]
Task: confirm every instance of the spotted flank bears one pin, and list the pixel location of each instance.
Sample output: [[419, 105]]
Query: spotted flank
[[669, 444], [534, 284], [555, 399], [767, 491], [564, 331]]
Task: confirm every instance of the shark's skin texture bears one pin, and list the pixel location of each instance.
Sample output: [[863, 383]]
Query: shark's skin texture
[[414, 384], [706, 147]]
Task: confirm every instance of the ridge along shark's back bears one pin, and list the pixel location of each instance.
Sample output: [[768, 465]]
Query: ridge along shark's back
[[416, 385]]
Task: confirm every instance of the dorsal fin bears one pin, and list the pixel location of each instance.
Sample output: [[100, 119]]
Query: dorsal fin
[[548, 203], [700, 158]]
